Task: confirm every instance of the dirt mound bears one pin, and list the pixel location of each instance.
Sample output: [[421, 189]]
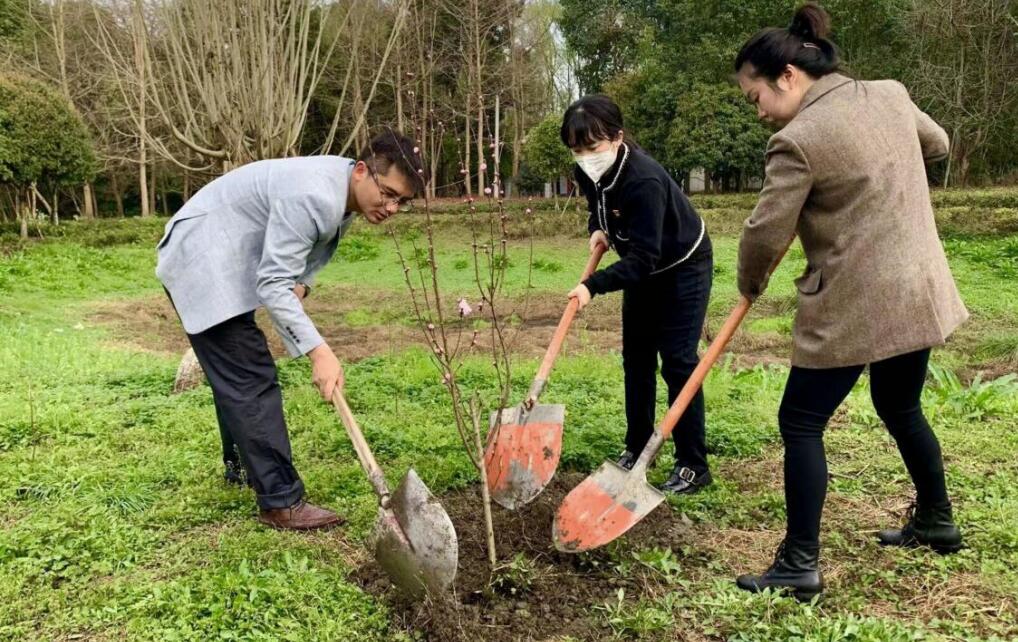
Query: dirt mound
[[151, 324], [560, 595]]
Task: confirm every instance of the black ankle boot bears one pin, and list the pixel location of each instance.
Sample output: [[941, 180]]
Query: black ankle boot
[[931, 526], [795, 568], [627, 459], [685, 481]]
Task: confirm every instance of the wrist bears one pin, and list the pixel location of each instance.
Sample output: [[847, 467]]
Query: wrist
[[319, 352]]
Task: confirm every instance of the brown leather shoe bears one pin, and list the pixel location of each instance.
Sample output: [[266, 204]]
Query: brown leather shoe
[[302, 516]]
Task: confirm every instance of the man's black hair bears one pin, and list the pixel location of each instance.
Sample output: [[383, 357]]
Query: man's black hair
[[391, 148]]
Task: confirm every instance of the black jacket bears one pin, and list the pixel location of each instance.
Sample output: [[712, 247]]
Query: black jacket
[[647, 218]]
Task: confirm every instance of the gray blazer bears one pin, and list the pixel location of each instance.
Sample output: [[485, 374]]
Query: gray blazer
[[247, 238]]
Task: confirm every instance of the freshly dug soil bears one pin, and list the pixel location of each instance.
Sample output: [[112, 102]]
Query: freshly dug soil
[[564, 589], [151, 324]]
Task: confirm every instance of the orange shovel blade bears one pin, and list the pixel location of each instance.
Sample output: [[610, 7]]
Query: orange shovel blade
[[603, 507], [522, 456]]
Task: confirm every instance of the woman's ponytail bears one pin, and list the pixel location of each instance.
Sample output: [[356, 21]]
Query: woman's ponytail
[[804, 43]]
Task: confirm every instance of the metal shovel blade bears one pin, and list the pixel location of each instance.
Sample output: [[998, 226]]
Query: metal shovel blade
[[523, 453], [604, 506], [414, 540]]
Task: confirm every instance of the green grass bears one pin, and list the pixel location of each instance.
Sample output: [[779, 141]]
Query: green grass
[[114, 522]]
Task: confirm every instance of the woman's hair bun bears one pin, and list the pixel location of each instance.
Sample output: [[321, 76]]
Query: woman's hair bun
[[811, 22]]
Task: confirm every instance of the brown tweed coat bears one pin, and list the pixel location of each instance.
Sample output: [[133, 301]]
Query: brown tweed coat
[[848, 175]]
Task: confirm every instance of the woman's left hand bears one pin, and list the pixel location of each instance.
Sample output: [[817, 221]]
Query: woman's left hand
[[581, 294]]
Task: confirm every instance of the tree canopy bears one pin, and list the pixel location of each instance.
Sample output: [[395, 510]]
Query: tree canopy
[[42, 139]]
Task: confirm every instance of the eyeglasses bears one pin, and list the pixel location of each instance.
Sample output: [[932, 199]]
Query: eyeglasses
[[391, 196]]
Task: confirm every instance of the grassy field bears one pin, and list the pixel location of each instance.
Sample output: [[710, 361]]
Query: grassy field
[[114, 522]]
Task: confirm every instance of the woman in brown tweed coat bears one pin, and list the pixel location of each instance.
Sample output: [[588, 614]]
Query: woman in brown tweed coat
[[846, 172]]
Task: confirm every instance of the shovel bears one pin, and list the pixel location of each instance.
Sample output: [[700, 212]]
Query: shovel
[[612, 500], [413, 541], [526, 441]]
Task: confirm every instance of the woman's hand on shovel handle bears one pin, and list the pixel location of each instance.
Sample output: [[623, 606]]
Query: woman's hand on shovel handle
[[581, 294], [326, 371], [598, 238]]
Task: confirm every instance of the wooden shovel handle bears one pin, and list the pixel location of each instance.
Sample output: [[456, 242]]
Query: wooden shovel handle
[[709, 358], [563, 328], [364, 454]]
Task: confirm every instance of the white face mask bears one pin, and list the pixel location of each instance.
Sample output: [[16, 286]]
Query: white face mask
[[595, 164]]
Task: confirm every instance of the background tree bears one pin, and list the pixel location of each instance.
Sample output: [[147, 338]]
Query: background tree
[[964, 70], [604, 35], [957, 56], [235, 77], [43, 143], [545, 155], [716, 130]]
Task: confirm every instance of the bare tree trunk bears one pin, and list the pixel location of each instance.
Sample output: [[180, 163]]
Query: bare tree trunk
[[480, 145], [398, 90], [140, 36], [466, 148], [162, 195], [118, 193], [86, 195], [489, 529], [77, 206], [950, 158], [151, 202], [496, 155], [358, 107], [55, 210], [964, 162], [479, 87], [23, 214]]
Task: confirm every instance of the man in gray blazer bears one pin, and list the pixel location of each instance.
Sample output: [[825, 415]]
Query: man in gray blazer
[[254, 237]]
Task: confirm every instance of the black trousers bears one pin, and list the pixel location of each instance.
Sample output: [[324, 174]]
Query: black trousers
[[664, 316], [811, 397], [249, 406]]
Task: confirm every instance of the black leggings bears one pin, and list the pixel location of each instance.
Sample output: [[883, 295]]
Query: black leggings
[[812, 396]]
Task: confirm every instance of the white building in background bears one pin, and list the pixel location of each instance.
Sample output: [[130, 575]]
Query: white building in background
[[561, 187], [697, 181], [697, 184]]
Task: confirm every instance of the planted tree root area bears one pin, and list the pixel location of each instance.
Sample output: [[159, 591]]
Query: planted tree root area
[[537, 592]]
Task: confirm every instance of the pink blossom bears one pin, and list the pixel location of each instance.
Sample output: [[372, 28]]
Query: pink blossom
[[487, 191], [417, 150], [530, 211], [464, 308], [484, 166]]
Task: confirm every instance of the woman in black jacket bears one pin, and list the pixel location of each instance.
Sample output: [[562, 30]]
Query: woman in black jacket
[[665, 272]]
